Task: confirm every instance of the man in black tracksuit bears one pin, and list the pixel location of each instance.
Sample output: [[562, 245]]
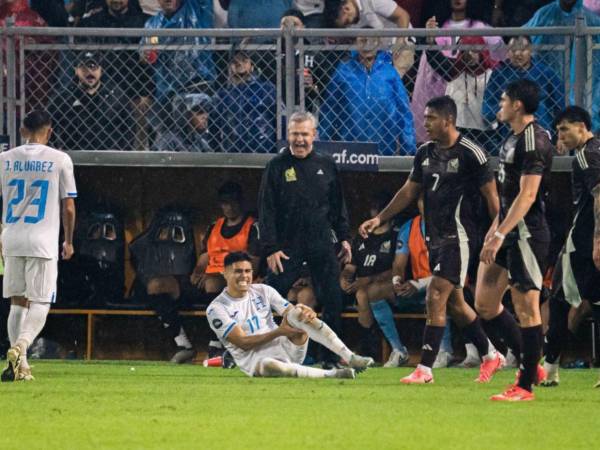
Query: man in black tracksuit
[[301, 212]]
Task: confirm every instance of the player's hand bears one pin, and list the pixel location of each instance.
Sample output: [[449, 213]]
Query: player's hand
[[368, 226], [67, 250], [596, 252], [306, 314], [345, 254], [407, 289], [490, 249], [285, 329], [347, 285], [274, 262]]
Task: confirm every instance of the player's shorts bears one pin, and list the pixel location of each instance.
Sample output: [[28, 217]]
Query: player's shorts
[[451, 262], [33, 278], [577, 276], [281, 349], [526, 262]]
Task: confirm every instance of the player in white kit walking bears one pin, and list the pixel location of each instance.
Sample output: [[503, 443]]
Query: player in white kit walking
[[38, 187], [242, 319]]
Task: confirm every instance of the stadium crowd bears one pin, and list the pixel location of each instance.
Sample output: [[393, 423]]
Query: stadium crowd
[[190, 97]]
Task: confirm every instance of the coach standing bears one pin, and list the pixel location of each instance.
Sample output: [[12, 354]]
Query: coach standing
[[301, 208]]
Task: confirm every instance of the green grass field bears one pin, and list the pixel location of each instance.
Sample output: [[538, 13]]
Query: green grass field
[[75, 405]]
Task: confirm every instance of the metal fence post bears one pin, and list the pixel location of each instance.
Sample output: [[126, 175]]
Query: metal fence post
[[290, 71], [581, 63], [11, 80]]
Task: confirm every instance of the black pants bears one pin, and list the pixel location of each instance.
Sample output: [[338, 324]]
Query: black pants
[[324, 270]]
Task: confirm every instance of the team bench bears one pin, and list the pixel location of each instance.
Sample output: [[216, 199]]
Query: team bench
[[91, 314]]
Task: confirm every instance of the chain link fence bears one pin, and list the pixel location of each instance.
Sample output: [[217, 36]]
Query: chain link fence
[[230, 90]]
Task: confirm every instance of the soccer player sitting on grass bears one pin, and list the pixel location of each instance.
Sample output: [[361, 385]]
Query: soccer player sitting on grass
[[242, 319]]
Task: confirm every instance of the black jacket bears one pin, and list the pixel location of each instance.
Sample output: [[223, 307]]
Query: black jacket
[[101, 121], [300, 203]]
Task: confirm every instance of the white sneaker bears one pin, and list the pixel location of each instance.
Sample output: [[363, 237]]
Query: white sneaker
[[442, 360], [511, 360], [396, 359], [552, 378], [469, 362]]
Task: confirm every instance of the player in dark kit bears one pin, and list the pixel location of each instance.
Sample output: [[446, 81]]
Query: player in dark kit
[[577, 272], [452, 172], [516, 246]]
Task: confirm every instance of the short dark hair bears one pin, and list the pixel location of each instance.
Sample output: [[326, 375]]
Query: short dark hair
[[572, 114], [234, 257], [526, 91], [443, 105], [36, 120]]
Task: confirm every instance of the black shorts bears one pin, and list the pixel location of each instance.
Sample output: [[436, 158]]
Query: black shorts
[[451, 262], [577, 276], [526, 262]]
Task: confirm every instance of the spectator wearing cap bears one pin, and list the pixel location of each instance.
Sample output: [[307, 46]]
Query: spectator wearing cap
[[90, 114], [186, 128], [366, 101], [245, 109], [125, 68], [181, 71]]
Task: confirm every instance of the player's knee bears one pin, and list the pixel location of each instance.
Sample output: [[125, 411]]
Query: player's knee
[[362, 299], [293, 316], [19, 301]]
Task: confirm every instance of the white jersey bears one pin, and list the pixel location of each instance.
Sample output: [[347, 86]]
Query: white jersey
[[35, 178], [252, 313]]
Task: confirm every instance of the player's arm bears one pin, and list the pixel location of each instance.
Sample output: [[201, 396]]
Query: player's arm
[[347, 278], [596, 250], [403, 198], [240, 339], [68, 219], [490, 194]]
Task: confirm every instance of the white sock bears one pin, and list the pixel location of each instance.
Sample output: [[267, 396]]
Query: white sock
[[15, 322], [182, 340], [269, 367], [551, 369], [320, 332], [32, 324], [491, 354], [471, 350], [425, 369]]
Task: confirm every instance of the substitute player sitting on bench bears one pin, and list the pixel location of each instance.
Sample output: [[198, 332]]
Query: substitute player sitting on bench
[[242, 319]]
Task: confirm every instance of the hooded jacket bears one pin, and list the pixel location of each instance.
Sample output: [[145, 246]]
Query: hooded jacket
[[363, 105]]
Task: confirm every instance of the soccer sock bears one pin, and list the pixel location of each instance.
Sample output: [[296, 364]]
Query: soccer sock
[[384, 316], [16, 316], [474, 332], [471, 351], [320, 332], [532, 349], [446, 344], [182, 340], [505, 325], [432, 338], [269, 367], [32, 324]]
